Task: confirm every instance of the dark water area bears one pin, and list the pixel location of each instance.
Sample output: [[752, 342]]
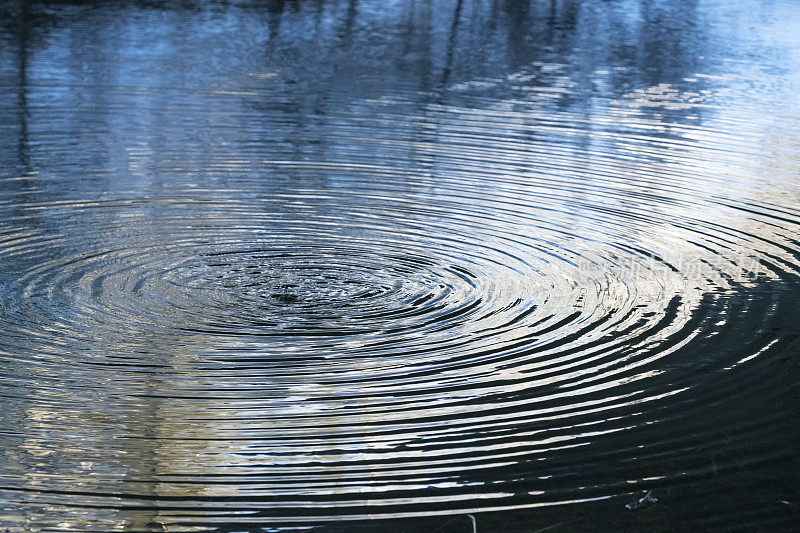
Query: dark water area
[[416, 265]]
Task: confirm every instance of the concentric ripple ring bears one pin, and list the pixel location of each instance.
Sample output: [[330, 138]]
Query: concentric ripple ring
[[241, 293]]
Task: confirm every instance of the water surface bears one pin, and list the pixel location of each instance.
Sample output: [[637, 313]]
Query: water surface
[[354, 264]]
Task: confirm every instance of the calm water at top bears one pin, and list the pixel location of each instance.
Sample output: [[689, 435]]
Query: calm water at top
[[417, 265]]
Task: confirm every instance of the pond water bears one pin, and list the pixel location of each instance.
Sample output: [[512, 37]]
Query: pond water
[[415, 265]]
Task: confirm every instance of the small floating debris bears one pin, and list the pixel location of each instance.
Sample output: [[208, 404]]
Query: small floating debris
[[285, 298], [642, 503]]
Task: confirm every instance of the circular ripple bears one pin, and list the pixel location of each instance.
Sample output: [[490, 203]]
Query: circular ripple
[[467, 299], [425, 361]]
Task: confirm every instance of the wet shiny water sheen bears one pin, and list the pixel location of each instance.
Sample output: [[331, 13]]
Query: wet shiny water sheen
[[289, 264]]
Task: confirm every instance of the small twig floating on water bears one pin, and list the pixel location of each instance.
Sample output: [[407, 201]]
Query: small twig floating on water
[[642, 503]]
